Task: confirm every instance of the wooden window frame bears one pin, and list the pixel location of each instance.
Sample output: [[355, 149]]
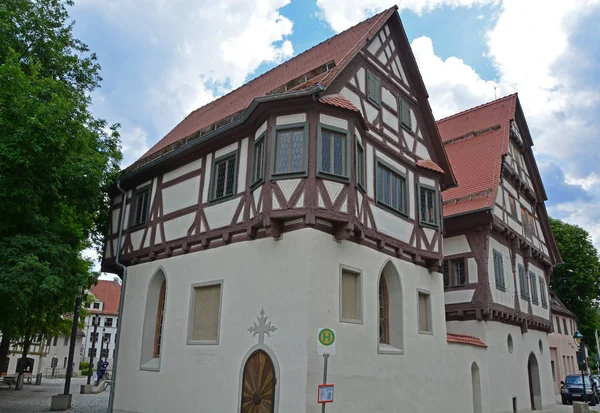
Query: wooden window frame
[[426, 294], [359, 294], [190, 328], [523, 282], [212, 198], [360, 174], [512, 205], [373, 89], [403, 106], [499, 270], [160, 312], [274, 175], [405, 200], [533, 286], [255, 180], [436, 207], [331, 175], [450, 263], [383, 300], [146, 189]]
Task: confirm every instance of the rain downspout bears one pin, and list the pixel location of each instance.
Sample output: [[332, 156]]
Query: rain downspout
[[111, 398]]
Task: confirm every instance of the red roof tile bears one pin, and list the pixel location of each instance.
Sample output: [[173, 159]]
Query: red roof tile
[[340, 48], [339, 101], [429, 164], [476, 141], [109, 292], [465, 339]]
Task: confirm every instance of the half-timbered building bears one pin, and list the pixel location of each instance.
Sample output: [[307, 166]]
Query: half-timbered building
[[308, 198], [499, 249]]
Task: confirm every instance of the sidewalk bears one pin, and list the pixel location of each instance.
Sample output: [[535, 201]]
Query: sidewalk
[[36, 399]]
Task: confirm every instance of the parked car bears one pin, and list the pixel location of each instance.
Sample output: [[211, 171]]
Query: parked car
[[572, 389]]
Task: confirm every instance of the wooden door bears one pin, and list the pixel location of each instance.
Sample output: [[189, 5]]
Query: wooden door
[[258, 391]]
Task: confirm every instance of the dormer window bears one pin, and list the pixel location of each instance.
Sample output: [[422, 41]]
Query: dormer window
[[141, 202]]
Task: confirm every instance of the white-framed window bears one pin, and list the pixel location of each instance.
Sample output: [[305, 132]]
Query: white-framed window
[[290, 150], [333, 156], [205, 313], [224, 177], [390, 188], [424, 312], [350, 295]]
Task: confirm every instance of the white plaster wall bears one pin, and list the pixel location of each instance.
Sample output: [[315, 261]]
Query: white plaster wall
[[507, 372], [208, 375], [501, 297], [456, 245], [458, 296], [188, 167], [181, 195]]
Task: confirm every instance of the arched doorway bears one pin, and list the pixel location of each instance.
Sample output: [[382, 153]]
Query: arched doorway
[[535, 389], [476, 386], [258, 384]]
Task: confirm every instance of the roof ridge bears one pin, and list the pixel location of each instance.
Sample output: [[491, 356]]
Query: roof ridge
[[474, 108], [288, 61]]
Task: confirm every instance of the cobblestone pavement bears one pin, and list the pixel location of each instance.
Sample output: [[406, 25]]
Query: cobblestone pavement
[[36, 399]]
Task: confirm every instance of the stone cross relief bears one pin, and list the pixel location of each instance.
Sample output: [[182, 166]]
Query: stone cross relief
[[262, 327]]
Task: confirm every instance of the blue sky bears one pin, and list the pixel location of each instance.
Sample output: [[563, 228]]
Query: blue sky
[[161, 60]]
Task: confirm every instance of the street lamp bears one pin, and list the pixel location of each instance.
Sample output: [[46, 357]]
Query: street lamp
[[578, 337]]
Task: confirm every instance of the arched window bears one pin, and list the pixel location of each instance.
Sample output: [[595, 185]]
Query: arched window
[[384, 313], [159, 319], [390, 306], [154, 322]]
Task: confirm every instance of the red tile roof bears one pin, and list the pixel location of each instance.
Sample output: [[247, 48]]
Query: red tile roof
[[476, 141], [340, 48], [109, 292], [465, 339], [429, 164], [339, 101]]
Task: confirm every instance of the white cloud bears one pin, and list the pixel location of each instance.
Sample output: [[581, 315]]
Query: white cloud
[[341, 15], [199, 49], [134, 143]]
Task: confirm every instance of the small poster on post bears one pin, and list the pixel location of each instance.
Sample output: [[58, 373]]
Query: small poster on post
[[325, 393]]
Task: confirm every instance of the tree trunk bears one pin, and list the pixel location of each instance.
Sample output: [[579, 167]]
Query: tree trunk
[[26, 344], [4, 347]]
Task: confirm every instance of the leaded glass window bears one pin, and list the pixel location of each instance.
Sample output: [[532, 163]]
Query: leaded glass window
[[390, 188], [224, 177], [333, 152], [289, 151], [428, 206]]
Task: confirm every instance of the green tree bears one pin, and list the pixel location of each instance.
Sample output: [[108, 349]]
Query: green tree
[[56, 158], [577, 280]]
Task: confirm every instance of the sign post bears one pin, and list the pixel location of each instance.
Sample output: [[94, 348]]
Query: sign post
[[325, 347]]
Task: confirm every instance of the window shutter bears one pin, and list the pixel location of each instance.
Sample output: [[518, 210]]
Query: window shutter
[[373, 88], [405, 114]]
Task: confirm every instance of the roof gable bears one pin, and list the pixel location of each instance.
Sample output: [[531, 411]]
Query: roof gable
[[340, 49]]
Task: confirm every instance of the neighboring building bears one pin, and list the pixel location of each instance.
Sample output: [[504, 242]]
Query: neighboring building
[[104, 311], [40, 354], [563, 350], [499, 250], [310, 198]]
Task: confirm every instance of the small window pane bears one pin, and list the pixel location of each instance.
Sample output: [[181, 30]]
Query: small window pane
[[289, 151], [360, 169], [350, 295], [326, 151], [224, 179], [427, 207], [259, 154], [458, 272], [205, 325], [284, 151], [339, 154], [390, 188], [142, 198], [297, 150]]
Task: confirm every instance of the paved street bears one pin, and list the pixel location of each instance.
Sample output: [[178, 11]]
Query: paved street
[[35, 399]]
